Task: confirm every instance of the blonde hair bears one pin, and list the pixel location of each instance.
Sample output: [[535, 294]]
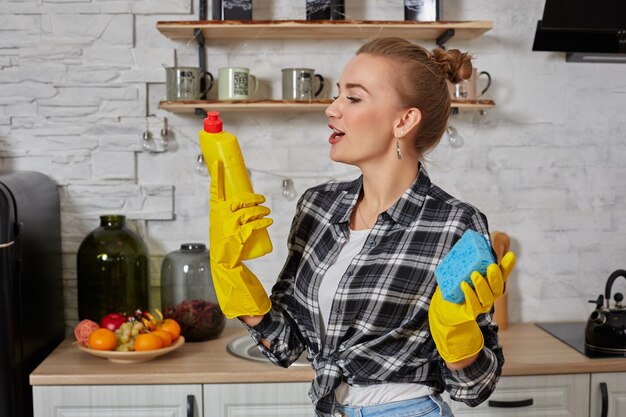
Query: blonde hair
[[422, 82]]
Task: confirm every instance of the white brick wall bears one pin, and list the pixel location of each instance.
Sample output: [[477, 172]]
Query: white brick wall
[[75, 77]]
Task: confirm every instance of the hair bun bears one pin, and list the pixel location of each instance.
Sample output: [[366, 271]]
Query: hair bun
[[455, 65]]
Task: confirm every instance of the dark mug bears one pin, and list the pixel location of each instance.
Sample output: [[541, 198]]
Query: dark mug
[[299, 83], [183, 83], [468, 89]]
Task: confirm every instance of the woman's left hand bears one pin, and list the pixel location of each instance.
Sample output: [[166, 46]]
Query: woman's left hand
[[453, 326], [487, 290]]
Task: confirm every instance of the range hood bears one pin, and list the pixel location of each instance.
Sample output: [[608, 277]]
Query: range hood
[[586, 30]]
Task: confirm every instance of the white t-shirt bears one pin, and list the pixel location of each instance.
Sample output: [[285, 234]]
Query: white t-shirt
[[352, 395], [330, 282]]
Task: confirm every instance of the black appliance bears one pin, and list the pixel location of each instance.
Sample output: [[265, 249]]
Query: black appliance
[[605, 332], [587, 31], [31, 287], [570, 333], [573, 334]]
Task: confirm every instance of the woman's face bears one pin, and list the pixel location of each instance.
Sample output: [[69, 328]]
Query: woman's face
[[365, 112]]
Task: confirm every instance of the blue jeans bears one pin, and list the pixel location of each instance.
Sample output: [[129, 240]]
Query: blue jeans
[[430, 406]]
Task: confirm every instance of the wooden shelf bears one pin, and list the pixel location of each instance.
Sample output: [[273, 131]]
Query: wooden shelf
[[283, 105], [328, 29], [473, 104], [304, 29]]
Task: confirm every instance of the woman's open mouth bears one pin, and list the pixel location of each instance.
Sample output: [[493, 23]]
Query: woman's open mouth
[[336, 135]]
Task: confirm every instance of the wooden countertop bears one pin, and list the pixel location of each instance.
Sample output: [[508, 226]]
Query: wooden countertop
[[528, 350], [200, 362]]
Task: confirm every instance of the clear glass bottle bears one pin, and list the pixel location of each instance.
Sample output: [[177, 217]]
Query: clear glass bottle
[[188, 295], [112, 271]]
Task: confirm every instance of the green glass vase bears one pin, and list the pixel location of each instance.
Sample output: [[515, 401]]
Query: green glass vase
[[112, 271]]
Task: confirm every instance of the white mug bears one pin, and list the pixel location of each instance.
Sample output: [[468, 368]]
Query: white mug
[[234, 83]]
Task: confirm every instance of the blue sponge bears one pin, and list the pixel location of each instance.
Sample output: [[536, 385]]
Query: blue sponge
[[471, 253]]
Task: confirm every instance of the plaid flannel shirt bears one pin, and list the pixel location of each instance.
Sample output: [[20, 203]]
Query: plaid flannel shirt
[[378, 326]]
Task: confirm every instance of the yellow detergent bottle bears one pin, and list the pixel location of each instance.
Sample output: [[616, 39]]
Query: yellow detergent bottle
[[223, 146]]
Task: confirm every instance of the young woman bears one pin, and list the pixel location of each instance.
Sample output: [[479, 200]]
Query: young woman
[[358, 291]]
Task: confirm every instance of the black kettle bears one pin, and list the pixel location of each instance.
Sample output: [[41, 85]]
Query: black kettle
[[605, 333]]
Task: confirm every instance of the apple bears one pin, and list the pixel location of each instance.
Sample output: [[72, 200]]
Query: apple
[[113, 321]]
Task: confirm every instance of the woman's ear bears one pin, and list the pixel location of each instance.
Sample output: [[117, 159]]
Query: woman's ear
[[408, 122]]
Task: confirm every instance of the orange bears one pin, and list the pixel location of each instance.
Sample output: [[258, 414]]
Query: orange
[[147, 341], [166, 337], [102, 339], [172, 327]]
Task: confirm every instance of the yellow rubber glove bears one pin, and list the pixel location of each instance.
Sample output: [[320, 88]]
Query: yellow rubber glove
[[233, 221], [453, 326]]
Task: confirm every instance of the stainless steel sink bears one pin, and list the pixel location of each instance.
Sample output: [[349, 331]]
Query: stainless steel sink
[[245, 348]]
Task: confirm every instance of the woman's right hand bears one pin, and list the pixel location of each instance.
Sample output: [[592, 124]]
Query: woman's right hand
[[251, 320], [233, 221]]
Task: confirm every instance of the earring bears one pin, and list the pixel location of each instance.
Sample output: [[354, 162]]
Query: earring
[[398, 153]]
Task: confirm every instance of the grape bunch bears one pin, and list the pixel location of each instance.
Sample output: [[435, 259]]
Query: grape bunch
[[126, 335]]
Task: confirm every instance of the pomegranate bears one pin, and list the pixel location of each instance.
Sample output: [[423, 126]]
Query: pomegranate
[[83, 330]]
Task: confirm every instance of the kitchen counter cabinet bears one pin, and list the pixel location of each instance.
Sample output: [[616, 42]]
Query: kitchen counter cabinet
[[533, 396], [118, 400], [537, 366], [616, 390], [258, 400], [174, 400]]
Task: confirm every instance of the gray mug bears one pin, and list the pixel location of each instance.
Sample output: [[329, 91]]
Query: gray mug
[[298, 83], [183, 83]]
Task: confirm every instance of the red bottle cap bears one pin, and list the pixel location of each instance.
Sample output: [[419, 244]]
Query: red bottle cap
[[213, 123]]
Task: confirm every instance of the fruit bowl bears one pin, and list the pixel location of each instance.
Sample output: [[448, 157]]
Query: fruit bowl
[[131, 357]]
